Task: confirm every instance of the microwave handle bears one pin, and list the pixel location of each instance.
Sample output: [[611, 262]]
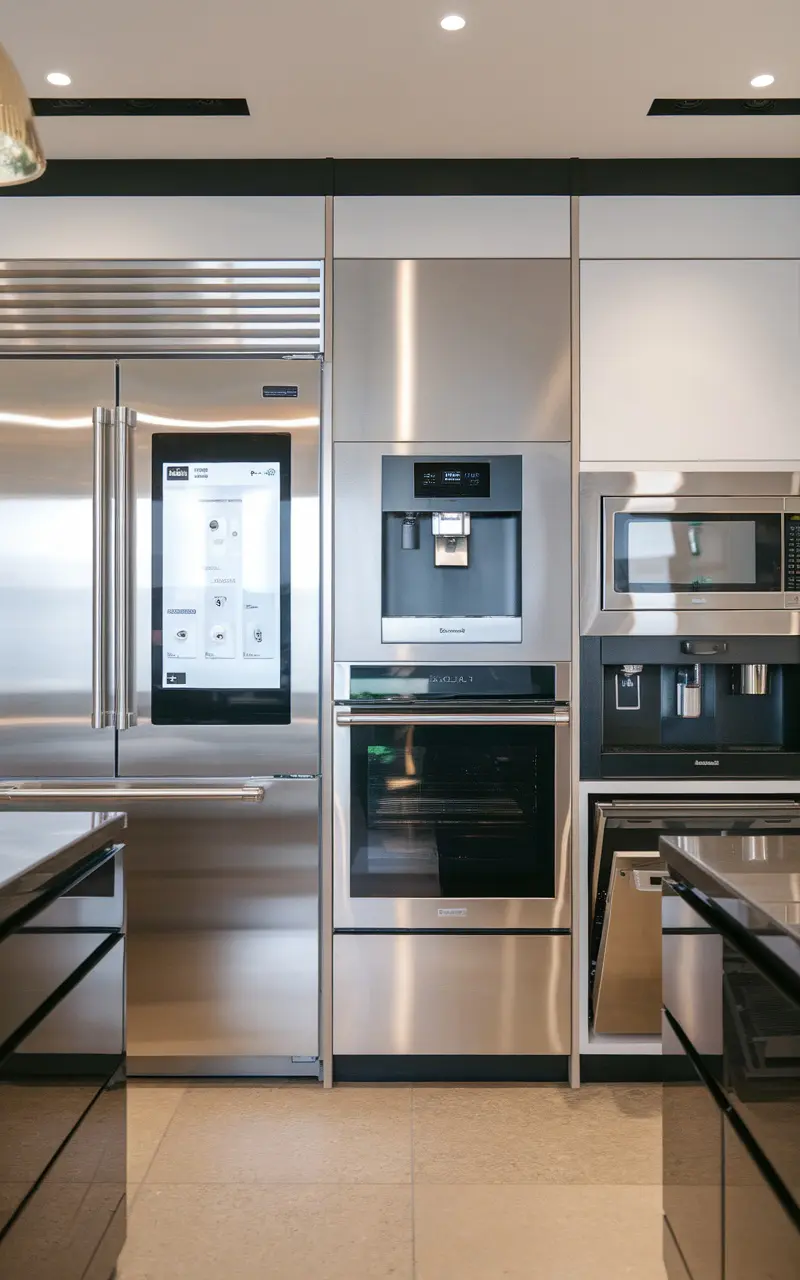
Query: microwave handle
[[701, 649]]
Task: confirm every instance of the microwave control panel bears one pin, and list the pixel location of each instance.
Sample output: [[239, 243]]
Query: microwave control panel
[[791, 553]]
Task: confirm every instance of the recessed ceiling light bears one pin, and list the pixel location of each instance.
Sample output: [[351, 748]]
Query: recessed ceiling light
[[59, 77], [762, 82], [453, 22]]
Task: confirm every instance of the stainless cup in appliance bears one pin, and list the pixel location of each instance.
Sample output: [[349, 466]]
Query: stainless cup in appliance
[[754, 677]]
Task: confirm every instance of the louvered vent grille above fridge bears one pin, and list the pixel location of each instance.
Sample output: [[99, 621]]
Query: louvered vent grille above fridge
[[115, 308]]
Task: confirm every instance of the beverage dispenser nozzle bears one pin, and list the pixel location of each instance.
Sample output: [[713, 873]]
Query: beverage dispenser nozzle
[[409, 532], [689, 692], [451, 531]]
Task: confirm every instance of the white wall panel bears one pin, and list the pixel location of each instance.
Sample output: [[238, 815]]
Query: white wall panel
[[163, 227], [690, 227], [690, 360], [451, 227]]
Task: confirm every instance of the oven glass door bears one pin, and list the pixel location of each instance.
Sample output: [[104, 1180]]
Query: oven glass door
[[452, 812]]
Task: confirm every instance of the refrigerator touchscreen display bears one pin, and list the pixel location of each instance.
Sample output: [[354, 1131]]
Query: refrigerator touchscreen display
[[221, 589]]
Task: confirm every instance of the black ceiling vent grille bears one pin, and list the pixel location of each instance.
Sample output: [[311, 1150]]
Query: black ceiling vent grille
[[725, 107], [140, 107]]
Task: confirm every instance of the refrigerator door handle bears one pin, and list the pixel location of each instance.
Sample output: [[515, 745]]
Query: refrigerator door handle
[[108, 794], [102, 569], [125, 598]]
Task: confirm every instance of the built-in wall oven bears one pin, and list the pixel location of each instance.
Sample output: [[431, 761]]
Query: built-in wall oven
[[690, 553], [451, 846]]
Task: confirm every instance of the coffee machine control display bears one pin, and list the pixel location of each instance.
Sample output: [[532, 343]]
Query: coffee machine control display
[[791, 553], [448, 480]]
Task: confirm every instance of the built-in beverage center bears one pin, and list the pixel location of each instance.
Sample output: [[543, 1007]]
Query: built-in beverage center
[[452, 542], [710, 707]]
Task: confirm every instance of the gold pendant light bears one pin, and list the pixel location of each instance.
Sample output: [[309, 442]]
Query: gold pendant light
[[21, 155]]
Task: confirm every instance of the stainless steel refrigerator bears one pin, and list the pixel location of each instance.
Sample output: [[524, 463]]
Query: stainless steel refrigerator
[[159, 654]]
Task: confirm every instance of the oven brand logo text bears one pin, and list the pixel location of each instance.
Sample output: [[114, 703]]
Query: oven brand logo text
[[708, 764], [452, 631], [177, 473]]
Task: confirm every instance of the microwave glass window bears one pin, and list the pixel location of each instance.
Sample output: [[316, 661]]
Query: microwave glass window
[[704, 553], [452, 812]]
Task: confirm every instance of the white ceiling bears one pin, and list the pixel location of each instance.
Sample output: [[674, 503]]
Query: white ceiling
[[372, 78]]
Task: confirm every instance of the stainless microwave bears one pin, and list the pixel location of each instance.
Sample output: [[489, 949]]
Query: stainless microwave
[[677, 553]]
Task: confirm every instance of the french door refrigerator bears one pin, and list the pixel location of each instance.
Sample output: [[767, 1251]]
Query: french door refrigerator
[[159, 585]]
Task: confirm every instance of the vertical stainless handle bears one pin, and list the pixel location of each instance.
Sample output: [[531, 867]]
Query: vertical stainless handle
[[125, 599], [102, 570]]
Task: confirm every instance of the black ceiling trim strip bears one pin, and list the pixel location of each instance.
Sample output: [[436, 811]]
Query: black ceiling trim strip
[[320, 177], [180, 178], [725, 107], [451, 177], [140, 107]]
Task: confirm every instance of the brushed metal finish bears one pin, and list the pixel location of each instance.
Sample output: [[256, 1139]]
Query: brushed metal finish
[[46, 568], [223, 929], [209, 395], [452, 994], [626, 997], [692, 984], [80, 307], [606, 612], [546, 557], [114, 793], [124, 571], [348, 718], [459, 350], [422, 913], [222, 924], [103, 485]]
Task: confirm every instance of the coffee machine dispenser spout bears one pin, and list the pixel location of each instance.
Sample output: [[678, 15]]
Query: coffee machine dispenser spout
[[689, 692], [451, 531]]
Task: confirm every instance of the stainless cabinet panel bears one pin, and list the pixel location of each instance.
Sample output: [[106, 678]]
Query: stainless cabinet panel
[[456, 994], [46, 568], [200, 395], [452, 349], [692, 986]]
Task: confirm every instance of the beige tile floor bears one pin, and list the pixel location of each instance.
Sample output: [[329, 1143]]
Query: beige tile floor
[[246, 1182]]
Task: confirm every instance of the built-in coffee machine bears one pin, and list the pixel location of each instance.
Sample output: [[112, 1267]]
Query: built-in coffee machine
[[444, 554], [674, 707], [452, 543]]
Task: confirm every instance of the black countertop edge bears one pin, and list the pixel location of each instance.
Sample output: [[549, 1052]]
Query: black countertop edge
[[24, 896], [722, 176], [707, 897]]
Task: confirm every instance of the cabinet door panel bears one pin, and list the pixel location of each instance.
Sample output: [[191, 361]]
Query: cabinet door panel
[[690, 360]]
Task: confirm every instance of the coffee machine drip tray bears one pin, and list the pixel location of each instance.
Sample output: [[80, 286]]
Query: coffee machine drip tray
[[488, 630]]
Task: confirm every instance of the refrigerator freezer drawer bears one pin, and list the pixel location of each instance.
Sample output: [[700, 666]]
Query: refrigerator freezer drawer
[[451, 994]]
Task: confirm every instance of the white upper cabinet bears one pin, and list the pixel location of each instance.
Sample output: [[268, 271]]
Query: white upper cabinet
[[451, 227], [690, 361]]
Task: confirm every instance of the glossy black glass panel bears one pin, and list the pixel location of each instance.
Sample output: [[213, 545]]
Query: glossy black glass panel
[[452, 811]]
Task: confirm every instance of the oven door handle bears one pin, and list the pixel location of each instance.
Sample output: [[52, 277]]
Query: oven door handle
[[548, 719]]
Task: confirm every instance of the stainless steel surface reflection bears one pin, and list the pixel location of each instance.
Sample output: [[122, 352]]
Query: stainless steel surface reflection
[[452, 350], [457, 994], [46, 568]]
